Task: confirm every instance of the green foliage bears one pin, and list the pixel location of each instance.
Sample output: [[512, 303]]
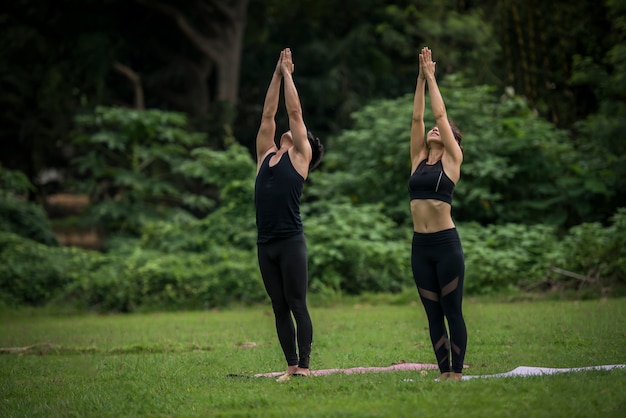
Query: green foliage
[[219, 167], [123, 281], [370, 162], [349, 53], [504, 257], [26, 219], [13, 183], [149, 279], [142, 165], [596, 254], [463, 41], [30, 273], [230, 225], [19, 216], [354, 249], [517, 167], [600, 135]]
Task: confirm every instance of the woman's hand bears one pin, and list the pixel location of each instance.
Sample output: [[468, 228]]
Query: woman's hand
[[422, 74], [427, 65]]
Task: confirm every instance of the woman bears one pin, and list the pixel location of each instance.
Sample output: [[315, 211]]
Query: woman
[[437, 257], [281, 245]]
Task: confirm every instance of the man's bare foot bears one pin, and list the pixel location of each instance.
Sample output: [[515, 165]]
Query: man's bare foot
[[455, 376], [291, 370]]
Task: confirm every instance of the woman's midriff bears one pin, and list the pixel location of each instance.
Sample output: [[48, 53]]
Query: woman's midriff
[[431, 215]]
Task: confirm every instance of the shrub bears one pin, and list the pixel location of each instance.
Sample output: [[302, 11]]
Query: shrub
[[355, 249], [498, 257], [26, 219], [30, 273], [19, 216], [148, 280], [592, 256]]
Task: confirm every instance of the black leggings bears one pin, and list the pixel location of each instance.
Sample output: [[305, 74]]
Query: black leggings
[[438, 269], [283, 265]]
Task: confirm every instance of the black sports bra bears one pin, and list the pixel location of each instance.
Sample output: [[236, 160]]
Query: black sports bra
[[431, 182]]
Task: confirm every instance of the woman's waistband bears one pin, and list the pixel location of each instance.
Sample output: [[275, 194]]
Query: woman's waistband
[[435, 238]]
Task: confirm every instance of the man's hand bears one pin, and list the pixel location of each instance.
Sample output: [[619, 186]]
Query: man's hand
[[287, 64], [279, 65]]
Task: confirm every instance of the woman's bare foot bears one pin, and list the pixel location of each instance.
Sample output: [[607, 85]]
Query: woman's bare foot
[[284, 377], [444, 376]]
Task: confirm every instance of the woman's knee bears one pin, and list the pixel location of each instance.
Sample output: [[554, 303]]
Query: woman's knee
[[298, 307]]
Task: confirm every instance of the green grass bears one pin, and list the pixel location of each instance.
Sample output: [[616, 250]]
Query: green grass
[[202, 363]]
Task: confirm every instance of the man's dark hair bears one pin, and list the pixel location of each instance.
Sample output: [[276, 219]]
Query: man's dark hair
[[318, 150]]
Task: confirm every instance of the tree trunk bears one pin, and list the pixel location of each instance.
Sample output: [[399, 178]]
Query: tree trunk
[[219, 38]]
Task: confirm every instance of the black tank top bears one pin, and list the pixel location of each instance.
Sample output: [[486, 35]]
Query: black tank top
[[431, 182], [277, 193]]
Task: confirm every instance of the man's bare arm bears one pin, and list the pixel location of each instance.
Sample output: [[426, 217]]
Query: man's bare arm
[[267, 130], [294, 109]]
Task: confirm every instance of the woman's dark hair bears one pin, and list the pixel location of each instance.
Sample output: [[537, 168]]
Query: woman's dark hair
[[318, 150], [456, 132]]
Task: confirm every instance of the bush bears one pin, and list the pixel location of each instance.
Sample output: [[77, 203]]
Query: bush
[[148, 280], [355, 249], [140, 166], [127, 280], [592, 256], [229, 226], [505, 256], [19, 216], [30, 273], [27, 220]]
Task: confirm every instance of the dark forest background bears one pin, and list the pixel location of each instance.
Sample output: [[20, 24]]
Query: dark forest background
[[149, 110]]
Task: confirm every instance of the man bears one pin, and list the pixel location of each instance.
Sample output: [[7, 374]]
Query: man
[[281, 244]]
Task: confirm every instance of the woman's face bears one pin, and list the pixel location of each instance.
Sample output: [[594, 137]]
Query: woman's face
[[433, 135]]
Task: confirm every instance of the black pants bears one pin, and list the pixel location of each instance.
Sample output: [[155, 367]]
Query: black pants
[[438, 269], [283, 265]]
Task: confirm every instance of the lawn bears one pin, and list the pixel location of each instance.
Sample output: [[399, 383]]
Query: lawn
[[203, 363]]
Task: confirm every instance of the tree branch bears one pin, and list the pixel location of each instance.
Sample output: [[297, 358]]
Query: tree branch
[[135, 80], [206, 45], [572, 274]]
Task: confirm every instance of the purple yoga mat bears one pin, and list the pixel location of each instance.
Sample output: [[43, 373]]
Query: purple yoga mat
[[395, 367]]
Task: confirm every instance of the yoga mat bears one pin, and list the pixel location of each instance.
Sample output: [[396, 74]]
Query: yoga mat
[[394, 367], [521, 371], [524, 371]]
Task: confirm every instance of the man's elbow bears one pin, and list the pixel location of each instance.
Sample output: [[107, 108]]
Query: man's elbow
[[295, 114]]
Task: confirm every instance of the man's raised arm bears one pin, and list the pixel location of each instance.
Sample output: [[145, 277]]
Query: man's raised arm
[[294, 109], [267, 130]]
